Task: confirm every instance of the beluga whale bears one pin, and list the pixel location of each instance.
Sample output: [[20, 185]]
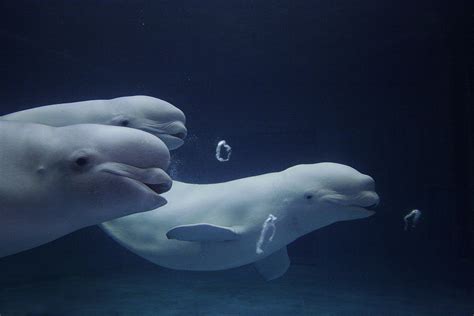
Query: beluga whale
[[146, 113], [55, 180], [207, 227]]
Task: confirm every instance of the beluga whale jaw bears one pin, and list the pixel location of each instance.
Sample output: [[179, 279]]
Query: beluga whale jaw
[[154, 179], [250, 220], [57, 180], [149, 114]]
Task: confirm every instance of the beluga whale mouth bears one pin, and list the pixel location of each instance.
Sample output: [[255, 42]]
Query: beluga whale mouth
[[171, 133], [372, 207], [175, 129], [180, 135], [159, 187], [368, 200], [154, 179]]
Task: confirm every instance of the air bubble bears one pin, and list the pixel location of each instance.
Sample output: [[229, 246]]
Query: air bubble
[[413, 217], [227, 148]]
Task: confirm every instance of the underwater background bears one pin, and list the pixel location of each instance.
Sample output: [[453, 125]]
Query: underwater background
[[382, 86]]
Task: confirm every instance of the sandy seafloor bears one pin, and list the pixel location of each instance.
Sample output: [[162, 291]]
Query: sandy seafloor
[[304, 290]]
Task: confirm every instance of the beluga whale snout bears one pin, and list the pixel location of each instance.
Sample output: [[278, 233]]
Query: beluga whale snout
[[56, 180], [149, 114], [360, 196], [172, 134], [154, 178]]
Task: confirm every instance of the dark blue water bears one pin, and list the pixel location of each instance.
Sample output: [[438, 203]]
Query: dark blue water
[[383, 86]]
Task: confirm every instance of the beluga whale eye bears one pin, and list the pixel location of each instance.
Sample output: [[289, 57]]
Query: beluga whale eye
[[119, 120], [82, 161], [308, 196]]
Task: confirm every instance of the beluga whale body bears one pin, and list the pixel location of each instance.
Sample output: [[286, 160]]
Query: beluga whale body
[[250, 220], [57, 180], [149, 114]]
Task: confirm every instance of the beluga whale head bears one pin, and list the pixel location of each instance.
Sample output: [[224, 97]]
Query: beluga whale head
[[55, 180], [151, 115], [324, 193], [145, 113], [112, 171]]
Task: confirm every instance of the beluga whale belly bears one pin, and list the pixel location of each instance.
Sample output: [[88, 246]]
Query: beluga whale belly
[[149, 114], [250, 220], [55, 180]]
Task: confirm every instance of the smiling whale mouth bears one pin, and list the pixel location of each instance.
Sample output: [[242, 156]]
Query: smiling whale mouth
[[159, 187], [372, 201], [371, 207], [367, 200], [172, 134], [155, 179], [172, 129], [180, 135]]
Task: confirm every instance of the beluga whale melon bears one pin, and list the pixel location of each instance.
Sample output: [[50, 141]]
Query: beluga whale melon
[[220, 226]]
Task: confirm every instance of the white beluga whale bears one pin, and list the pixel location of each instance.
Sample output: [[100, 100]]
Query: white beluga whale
[[149, 114], [55, 180], [250, 220]]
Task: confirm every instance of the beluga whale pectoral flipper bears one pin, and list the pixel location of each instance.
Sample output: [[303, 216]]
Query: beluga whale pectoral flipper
[[145, 113], [246, 221], [57, 180], [202, 232]]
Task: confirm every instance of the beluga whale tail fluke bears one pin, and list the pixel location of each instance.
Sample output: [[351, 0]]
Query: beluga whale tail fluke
[[145, 113], [245, 221], [56, 180]]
